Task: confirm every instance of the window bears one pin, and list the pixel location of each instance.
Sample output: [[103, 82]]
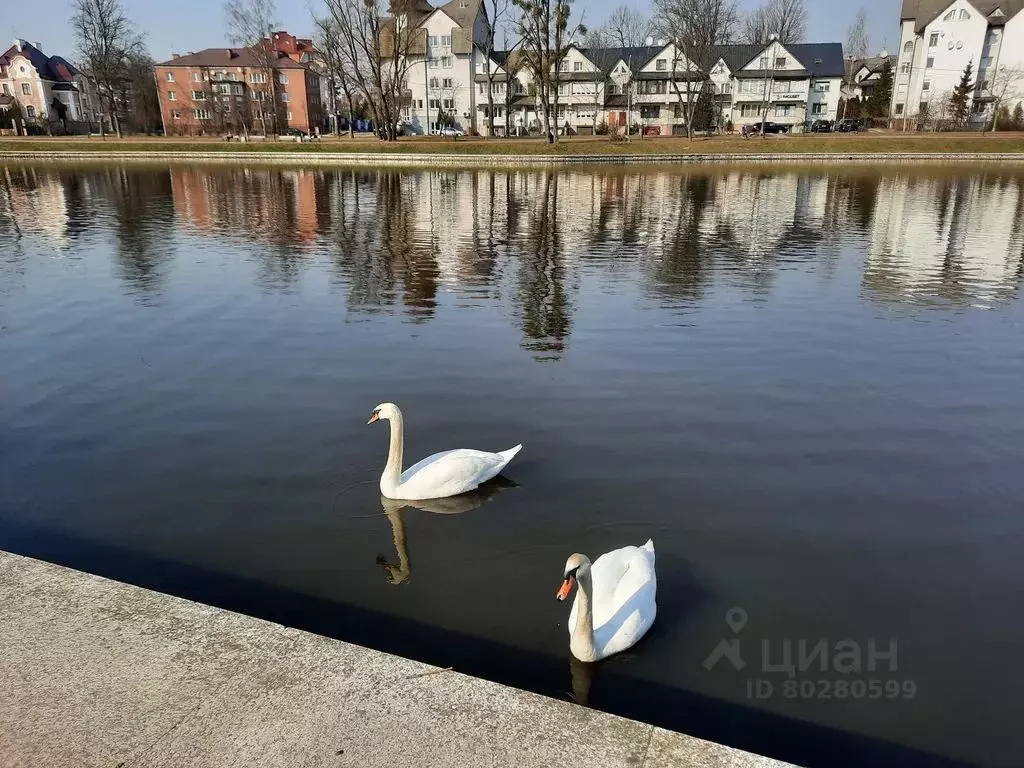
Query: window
[[433, 84], [749, 110], [908, 46], [764, 62], [433, 63], [434, 103], [282, 78], [822, 87], [577, 66], [780, 62], [284, 97], [817, 109], [964, 15], [172, 96], [26, 89], [650, 111], [926, 85], [933, 40], [949, 16], [899, 109], [198, 95], [7, 89], [30, 111], [432, 41], [449, 103], [201, 114], [979, 107], [783, 110], [227, 108], [446, 41], [929, 62], [905, 68], [446, 82], [563, 89], [170, 77], [563, 66], [175, 114], [922, 107], [446, 62], [480, 89], [901, 90], [258, 77], [661, 65]]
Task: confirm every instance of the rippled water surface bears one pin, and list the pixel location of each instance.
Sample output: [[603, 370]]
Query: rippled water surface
[[806, 386]]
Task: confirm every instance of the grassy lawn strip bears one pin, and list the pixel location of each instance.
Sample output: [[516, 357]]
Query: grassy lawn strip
[[886, 142]]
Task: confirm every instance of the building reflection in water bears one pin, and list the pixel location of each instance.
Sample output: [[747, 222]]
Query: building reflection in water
[[400, 241]]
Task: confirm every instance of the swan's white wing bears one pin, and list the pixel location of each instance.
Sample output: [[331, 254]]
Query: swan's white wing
[[450, 473]]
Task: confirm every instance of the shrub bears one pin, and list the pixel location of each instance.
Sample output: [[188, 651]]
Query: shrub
[[602, 128]]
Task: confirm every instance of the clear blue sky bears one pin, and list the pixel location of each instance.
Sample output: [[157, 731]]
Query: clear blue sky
[[189, 25]]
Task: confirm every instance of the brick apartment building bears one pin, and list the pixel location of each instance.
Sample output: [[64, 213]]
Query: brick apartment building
[[227, 90]]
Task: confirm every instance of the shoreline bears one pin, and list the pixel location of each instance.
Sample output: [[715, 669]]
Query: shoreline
[[104, 673], [473, 160]]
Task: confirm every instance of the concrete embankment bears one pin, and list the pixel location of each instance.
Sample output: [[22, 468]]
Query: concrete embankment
[[467, 160], [99, 673]]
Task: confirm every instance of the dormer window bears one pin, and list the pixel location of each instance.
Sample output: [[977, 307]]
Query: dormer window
[[661, 65], [950, 16]]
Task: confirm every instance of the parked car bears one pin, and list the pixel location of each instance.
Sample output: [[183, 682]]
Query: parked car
[[849, 124], [455, 133], [821, 126], [768, 128]]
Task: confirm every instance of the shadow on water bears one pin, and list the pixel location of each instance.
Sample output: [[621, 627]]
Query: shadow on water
[[720, 721]]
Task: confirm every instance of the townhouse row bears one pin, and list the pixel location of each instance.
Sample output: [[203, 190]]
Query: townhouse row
[[642, 86]]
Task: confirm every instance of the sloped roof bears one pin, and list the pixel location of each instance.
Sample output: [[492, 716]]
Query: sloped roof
[[229, 57], [462, 12], [53, 68], [925, 11]]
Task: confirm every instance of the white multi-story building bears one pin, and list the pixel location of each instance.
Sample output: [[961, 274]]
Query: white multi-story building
[[938, 39], [46, 88], [447, 74]]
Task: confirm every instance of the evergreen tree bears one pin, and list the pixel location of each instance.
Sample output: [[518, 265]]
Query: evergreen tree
[[878, 101], [960, 101], [1018, 116]]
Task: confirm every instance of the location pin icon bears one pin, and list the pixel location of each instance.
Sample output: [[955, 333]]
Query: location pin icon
[[736, 618]]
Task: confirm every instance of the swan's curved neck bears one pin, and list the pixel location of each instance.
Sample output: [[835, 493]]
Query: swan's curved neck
[[392, 476], [582, 640]]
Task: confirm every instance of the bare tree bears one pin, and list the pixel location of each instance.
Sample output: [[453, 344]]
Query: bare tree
[[599, 49], [546, 38], [376, 50], [786, 19], [628, 27], [338, 68], [697, 29], [857, 35], [495, 12], [107, 42], [250, 24], [1007, 86]]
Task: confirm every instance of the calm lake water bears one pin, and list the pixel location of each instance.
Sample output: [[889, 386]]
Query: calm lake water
[[806, 386]]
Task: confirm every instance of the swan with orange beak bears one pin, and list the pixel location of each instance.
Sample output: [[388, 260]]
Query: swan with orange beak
[[615, 601]]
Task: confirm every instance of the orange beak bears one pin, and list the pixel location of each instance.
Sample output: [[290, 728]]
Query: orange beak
[[373, 417], [566, 588]]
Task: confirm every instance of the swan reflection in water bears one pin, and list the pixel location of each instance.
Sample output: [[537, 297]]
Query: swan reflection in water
[[453, 505]]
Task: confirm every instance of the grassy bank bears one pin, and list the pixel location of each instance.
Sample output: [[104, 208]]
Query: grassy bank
[[873, 142]]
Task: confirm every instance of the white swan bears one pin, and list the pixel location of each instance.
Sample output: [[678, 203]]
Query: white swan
[[615, 604], [448, 473]]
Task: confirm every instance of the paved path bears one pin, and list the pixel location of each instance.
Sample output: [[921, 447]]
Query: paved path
[[98, 673]]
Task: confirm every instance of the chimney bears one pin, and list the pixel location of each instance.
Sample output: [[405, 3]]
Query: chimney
[[17, 43], [38, 47], [175, 55]]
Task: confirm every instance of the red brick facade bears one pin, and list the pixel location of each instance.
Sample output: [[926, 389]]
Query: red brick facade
[[226, 90]]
